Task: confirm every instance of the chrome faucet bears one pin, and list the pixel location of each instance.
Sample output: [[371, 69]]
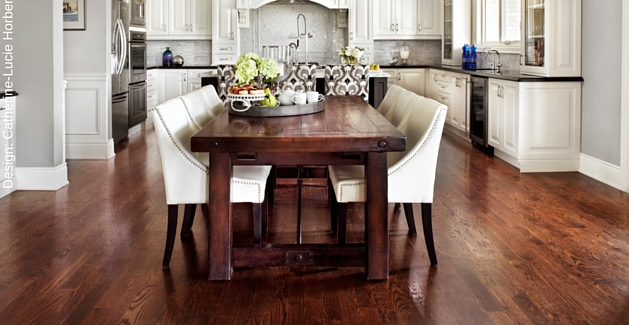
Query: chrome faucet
[[305, 35], [488, 50]]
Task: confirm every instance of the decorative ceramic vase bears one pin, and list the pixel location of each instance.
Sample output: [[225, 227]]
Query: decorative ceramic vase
[[167, 58], [178, 60]]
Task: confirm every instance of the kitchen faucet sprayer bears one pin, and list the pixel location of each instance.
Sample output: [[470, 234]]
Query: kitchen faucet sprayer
[[305, 35], [488, 50]]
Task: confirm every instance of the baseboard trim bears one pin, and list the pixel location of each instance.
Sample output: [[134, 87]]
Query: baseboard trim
[[135, 129], [601, 171], [42, 178], [549, 166], [6, 191], [90, 150]]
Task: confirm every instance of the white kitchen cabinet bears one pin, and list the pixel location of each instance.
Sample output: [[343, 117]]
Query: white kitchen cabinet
[[194, 78], [179, 19], [254, 4], [152, 88], [413, 80], [457, 17], [502, 127], [8, 181], [172, 83], [431, 84], [360, 27], [551, 44], [459, 101], [225, 32], [334, 4], [406, 19]]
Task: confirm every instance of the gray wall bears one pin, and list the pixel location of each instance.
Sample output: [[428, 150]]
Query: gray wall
[[602, 49], [86, 51], [38, 78]]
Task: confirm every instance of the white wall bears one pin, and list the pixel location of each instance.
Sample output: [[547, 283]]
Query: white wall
[[84, 50], [602, 50]]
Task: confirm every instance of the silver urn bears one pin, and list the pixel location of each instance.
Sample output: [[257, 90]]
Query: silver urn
[[178, 60]]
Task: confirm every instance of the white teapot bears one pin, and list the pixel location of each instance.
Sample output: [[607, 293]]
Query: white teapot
[[285, 97]]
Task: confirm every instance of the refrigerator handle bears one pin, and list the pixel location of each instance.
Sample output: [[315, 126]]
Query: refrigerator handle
[[123, 46], [116, 51]]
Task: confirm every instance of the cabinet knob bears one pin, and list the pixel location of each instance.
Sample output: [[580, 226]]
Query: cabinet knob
[[351, 35], [396, 27], [393, 27], [419, 27], [164, 27]]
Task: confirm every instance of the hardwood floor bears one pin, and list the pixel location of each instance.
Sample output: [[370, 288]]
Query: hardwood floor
[[513, 249]]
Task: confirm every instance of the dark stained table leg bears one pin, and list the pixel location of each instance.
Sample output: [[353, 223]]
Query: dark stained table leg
[[376, 219], [220, 217]]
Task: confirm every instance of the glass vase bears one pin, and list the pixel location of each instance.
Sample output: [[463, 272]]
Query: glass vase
[[167, 58]]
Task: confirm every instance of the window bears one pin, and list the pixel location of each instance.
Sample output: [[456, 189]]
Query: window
[[497, 24]]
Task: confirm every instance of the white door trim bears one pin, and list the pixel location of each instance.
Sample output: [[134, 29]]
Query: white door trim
[[624, 100]]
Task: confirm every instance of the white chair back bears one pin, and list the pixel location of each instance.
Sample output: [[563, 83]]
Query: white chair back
[[202, 106], [412, 172], [185, 177], [397, 114], [389, 100]]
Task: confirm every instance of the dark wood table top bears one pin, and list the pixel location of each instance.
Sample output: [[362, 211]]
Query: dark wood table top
[[348, 124]]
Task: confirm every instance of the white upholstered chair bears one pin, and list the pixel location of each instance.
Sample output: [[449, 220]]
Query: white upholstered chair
[[186, 177], [389, 100], [411, 174]]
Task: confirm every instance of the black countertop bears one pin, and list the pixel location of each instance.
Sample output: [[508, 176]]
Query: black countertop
[[504, 75]]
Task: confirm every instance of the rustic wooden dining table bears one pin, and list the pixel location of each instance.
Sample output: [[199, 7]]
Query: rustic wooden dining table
[[349, 131]]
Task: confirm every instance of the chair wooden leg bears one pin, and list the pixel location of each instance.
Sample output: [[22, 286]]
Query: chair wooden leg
[[270, 186], [188, 219], [410, 219], [427, 224], [299, 184], [257, 223], [342, 208], [396, 206], [170, 234], [265, 215], [334, 209]]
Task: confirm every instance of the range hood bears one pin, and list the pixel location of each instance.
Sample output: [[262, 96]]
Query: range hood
[[255, 4]]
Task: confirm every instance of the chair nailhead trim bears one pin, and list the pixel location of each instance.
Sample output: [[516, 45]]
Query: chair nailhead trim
[[190, 114], [183, 152], [423, 143], [359, 183], [251, 183]]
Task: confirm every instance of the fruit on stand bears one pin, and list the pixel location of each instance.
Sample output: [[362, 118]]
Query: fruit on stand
[[374, 66], [270, 100]]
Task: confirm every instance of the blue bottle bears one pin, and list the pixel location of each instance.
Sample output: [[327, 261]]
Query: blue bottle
[[167, 58], [465, 56], [473, 57]]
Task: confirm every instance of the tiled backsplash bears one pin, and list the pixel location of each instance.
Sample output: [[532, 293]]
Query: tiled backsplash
[[195, 53], [422, 52], [276, 24], [508, 61]]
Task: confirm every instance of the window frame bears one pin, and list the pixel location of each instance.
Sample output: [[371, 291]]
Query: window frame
[[478, 30]]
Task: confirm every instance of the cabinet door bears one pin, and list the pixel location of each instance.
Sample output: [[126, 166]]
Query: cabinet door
[[432, 85], [360, 27], [413, 80], [223, 21], [458, 103], [495, 107], [157, 18], [172, 83], [201, 18], [384, 18], [429, 22], [510, 94], [178, 20], [406, 13]]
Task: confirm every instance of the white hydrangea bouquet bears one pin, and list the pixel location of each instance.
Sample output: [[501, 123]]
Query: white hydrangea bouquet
[[250, 68], [351, 55]]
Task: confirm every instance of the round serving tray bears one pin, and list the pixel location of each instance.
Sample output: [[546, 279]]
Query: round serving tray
[[278, 111]]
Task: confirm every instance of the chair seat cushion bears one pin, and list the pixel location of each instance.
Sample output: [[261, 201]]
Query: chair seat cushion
[[249, 183], [348, 182]]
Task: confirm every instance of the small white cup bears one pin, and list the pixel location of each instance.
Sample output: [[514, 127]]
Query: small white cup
[[314, 97], [299, 99]]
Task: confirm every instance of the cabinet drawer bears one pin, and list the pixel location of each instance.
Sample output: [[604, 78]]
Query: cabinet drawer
[[225, 48], [443, 99], [151, 74], [224, 59], [198, 73], [442, 77], [151, 85], [443, 87], [392, 72]]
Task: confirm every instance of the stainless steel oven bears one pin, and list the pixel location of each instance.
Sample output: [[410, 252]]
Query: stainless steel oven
[[138, 13], [137, 56], [137, 103]]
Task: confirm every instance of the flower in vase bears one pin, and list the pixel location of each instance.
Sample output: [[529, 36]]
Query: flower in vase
[[351, 55], [250, 67]]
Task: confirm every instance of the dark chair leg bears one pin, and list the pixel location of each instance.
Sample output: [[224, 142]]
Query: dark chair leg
[[188, 219], [342, 208], [257, 223], [170, 234], [410, 219], [270, 186], [334, 209], [427, 224], [396, 206], [265, 215], [299, 183]]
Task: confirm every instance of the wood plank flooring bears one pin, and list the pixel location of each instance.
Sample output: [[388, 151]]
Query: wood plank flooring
[[513, 249]]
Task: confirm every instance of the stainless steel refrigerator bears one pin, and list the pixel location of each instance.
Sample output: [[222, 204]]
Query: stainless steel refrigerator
[[120, 69]]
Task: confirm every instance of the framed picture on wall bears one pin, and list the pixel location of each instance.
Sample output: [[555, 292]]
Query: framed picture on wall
[[73, 14]]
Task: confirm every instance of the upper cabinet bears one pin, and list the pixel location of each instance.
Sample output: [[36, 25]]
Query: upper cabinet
[[551, 39], [406, 19], [179, 19], [457, 16], [225, 42], [360, 27]]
